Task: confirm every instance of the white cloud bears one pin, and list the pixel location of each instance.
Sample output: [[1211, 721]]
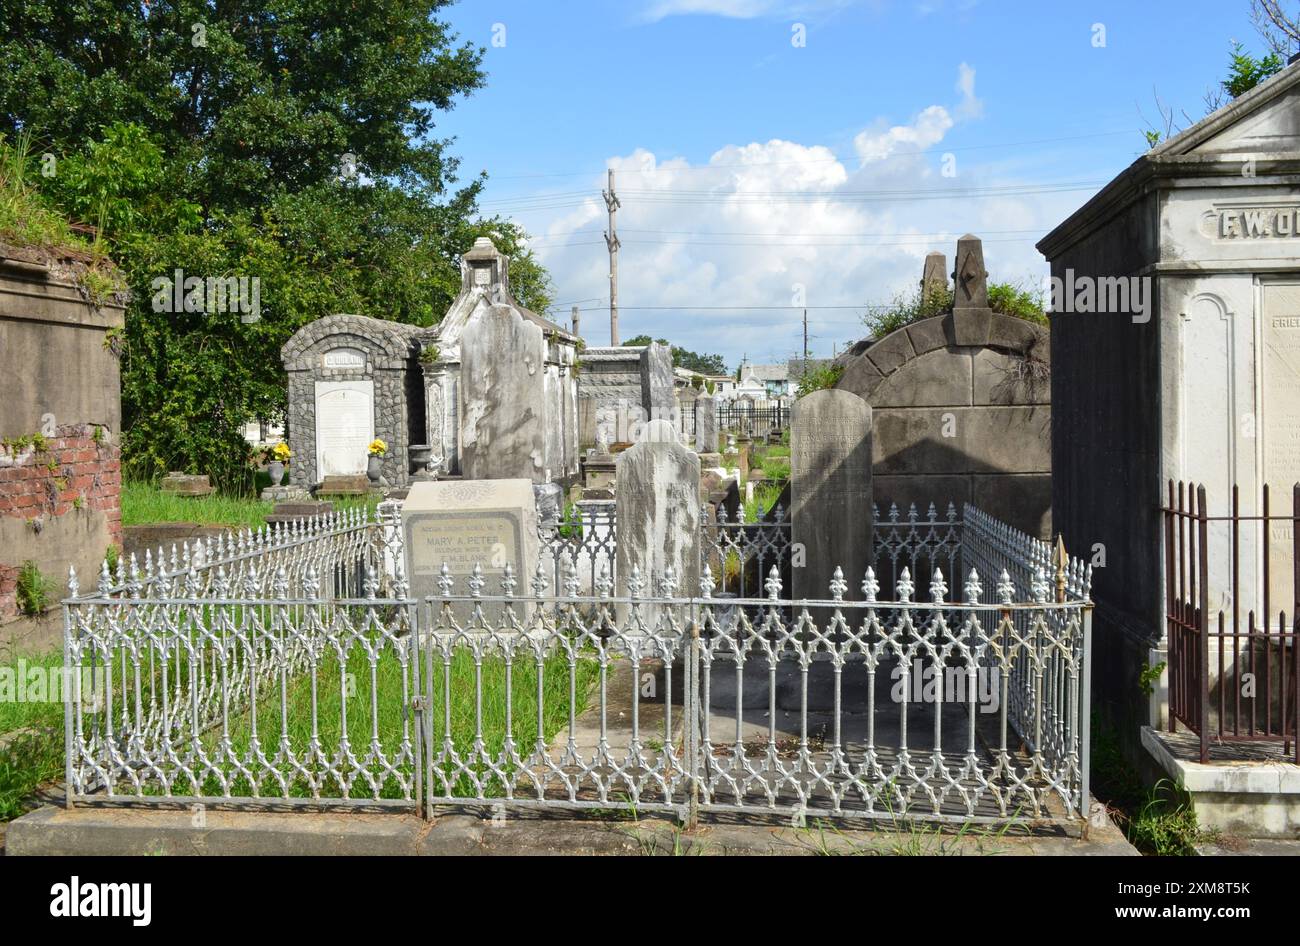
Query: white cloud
[[970, 106], [926, 130], [753, 221], [739, 9]]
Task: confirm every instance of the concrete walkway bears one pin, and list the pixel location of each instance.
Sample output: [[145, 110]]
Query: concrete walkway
[[55, 831]]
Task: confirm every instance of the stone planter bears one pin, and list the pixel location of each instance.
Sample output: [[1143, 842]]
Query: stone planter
[[276, 469], [419, 455], [373, 467]]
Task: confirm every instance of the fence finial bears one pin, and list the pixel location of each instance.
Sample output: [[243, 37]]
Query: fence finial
[[540, 582], [668, 583], [870, 587], [105, 580], [838, 584], [905, 586], [73, 589], [1062, 562], [508, 581], [773, 584], [445, 582], [604, 586], [1038, 587], [571, 583], [706, 581], [973, 587], [938, 587], [1005, 589], [634, 583], [476, 581]]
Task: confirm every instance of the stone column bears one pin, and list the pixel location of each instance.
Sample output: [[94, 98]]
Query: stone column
[[830, 492], [706, 425]]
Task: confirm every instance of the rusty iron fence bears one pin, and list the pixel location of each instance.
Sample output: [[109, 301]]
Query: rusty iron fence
[[1233, 669]]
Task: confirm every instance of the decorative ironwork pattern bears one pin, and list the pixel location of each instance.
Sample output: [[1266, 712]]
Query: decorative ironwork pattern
[[238, 678]]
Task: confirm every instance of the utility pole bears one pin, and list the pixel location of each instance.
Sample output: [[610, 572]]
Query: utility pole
[[611, 240], [805, 340], [573, 322]]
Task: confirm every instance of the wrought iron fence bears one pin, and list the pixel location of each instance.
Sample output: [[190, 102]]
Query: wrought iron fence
[[262, 690], [1233, 677]]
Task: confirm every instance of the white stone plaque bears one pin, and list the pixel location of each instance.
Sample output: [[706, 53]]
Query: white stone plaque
[[345, 426]]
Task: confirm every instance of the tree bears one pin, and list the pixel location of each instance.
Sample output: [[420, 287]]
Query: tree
[[682, 358], [291, 141]]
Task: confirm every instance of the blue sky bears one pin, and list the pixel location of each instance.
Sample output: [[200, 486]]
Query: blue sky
[[756, 173]]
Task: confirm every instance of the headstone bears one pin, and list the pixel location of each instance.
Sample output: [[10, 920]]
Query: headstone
[[463, 523], [658, 496], [502, 397], [345, 426], [934, 275], [186, 484], [293, 511], [830, 491], [598, 471], [706, 425], [658, 384]]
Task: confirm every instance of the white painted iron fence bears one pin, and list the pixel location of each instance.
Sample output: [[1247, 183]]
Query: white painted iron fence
[[938, 704]]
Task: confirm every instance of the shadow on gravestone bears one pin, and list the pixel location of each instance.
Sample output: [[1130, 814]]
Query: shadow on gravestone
[[658, 499], [502, 394], [830, 492]]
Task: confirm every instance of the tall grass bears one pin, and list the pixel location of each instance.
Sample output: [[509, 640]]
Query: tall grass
[[32, 733], [145, 504]]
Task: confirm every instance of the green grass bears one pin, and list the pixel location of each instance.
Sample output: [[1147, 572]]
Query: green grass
[[34, 757], [1157, 820], [145, 504], [765, 497]]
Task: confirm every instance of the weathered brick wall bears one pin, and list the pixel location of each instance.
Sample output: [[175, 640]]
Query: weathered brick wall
[[59, 495]]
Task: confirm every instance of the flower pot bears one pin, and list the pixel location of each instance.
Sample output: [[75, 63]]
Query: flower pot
[[276, 469], [373, 466]]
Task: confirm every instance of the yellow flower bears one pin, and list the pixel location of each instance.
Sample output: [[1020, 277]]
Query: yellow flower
[[377, 448], [282, 452]]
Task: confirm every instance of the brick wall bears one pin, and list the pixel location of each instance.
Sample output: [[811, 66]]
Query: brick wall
[[73, 475]]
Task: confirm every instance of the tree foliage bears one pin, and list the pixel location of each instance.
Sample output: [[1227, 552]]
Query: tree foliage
[[291, 141], [683, 358]]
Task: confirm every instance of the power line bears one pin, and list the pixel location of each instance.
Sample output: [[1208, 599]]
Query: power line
[[837, 157]]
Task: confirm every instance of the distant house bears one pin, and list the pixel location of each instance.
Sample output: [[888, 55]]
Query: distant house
[[723, 385], [763, 382]]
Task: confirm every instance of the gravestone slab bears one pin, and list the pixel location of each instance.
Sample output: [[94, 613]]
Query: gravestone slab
[[934, 275], [658, 496], [830, 491], [345, 426], [706, 425], [467, 522], [1281, 432], [658, 384], [186, 484], [502, 397]]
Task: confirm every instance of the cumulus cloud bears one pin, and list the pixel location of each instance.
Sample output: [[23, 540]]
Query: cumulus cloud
[[770, 225]]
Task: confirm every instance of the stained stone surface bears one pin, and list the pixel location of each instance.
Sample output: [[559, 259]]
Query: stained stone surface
[[503, 393], [706, 425], [934, 276], [658, 496], [658, 386], [830, 490], [970, 279]]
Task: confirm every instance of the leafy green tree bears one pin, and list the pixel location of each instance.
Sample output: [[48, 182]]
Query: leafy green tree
[[291, 141], [683, 358]]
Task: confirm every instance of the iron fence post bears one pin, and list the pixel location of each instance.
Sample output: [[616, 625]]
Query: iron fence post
[[1085, 723], [1203, 691], [690, 695], [67, 704]]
